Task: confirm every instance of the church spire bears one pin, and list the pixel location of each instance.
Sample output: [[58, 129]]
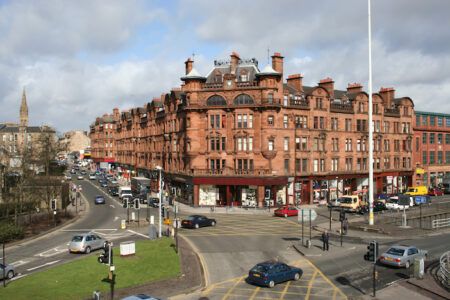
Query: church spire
[[24, 110]]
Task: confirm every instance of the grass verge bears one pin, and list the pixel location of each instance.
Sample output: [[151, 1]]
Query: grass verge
[[154, 260]]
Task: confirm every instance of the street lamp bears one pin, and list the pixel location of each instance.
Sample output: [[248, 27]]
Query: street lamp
[[371, 221], [160, 198]]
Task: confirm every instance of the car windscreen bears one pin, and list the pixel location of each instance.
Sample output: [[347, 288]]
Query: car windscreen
[[191, 218], [396, 251], [77, 238], [392, 200], [259, 269], [411, 190], [345, 200]]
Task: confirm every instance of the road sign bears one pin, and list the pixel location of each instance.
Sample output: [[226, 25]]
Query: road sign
[[306, 213]]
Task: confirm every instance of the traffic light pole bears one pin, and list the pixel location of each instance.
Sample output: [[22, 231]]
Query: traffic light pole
[[374, 279]]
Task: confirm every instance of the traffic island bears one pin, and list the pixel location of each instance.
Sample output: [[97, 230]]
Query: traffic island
[[153, 261]]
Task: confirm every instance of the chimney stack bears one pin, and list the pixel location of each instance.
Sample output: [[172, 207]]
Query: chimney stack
[[355, 87], [234, 62], [388, 95], [296, 81], [277, 62], [328, 84], [189, 65]]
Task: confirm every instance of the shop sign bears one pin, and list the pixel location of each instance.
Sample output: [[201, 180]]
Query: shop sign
[[420, 171]]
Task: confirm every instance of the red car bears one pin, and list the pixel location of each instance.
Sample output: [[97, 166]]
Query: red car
[[286, 211], [435, 192]]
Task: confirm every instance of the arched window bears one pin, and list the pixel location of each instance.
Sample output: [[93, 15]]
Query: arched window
[[216, 100], [243, 99]]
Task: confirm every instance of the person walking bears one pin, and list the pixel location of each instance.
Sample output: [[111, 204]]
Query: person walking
[[345, 226], [325, 239]]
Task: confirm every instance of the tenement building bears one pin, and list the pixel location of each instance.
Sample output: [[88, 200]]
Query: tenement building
[[244, 136], [432, 148]]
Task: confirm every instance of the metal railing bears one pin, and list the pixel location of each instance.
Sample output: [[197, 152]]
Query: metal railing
[[439, 223], [444, 270]]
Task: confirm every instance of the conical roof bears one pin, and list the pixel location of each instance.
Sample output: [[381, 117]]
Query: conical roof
[[268, 70], [193, 74]]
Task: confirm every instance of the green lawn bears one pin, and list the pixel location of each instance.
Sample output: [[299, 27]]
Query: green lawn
[[154, 260]]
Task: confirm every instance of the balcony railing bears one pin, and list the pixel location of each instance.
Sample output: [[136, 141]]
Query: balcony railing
[[340, 107], [246, 84], [213, 85], [299, 103], [229, 172], [392, 112], [271, 101]]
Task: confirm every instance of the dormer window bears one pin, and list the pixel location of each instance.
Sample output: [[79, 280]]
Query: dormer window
[[218, 77]]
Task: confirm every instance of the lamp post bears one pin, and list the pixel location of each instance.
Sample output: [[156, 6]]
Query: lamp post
[[371, 221], [160, 199]]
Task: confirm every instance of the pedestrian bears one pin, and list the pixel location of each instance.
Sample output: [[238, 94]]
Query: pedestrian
[[325, 239], [345, 226]]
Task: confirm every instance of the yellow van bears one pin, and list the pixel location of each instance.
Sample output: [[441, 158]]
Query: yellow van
[[350, 203], [417, 190]]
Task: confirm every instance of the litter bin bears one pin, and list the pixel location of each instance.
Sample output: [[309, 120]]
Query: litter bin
[[419, 267], [308, 244]]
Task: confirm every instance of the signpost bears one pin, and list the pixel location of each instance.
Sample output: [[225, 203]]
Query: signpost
[[307, 214]]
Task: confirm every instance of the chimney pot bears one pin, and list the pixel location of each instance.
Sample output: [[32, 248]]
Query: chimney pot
[[189, 65]]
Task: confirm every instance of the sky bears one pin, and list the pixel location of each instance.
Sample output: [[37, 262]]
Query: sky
[[79, 59]]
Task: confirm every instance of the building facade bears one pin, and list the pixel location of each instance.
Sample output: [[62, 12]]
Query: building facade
[[244, 136], [432, 148], [77, 141]]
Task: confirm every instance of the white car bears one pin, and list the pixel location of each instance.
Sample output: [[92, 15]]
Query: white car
[[392, 203], [80, 177], [92, 177]]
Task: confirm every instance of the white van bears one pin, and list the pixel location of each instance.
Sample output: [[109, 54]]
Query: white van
[[125, 191]]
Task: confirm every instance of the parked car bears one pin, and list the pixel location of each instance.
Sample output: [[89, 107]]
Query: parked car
[[83, 172], [86, 242], [68, 177], [286, 211], [271, 273], [435, 192], [153, 202], [378, 206], [140, 297], [351, 203], [9, 271], [92, 176], [104, 183], [392, 203], [99, 199], [401, 256], [197, 221], [113, 190], [334, 203], [80, 177]]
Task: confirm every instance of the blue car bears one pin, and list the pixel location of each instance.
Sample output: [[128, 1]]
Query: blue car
[[271, 273], [99, 200]]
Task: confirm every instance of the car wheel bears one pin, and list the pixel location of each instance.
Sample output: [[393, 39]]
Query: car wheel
[[213, 223], [407, 264], [271, 284], [88, 250], [285, 215], [297, 276], [10, 274], [196, 226]]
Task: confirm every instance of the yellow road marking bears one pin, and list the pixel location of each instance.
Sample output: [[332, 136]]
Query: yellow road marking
[[232, 288], [310, 285], [285, 290], [334, 294], [254, 293], [327, 280]]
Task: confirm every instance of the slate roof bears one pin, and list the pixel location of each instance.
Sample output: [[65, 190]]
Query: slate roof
[[250, 67], [30, 129]]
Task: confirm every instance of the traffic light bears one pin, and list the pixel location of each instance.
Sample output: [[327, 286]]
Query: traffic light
[[163, 211], [372, 253], [342, 215], [53, 204], [107, 256], [137, 203], [125, 203]]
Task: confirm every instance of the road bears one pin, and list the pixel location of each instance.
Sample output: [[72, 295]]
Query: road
[[51, 249]]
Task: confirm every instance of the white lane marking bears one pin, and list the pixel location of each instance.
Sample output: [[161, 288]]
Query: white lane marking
[[46, 264], [116, 218], [19, 263], [111, 206], [138, 233], [92, 229], [18, 276], [52, 252]]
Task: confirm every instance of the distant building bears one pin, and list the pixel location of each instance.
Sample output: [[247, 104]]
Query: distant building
[[432, 147], [76, 141]]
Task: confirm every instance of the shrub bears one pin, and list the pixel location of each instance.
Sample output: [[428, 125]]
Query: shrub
[[10, 232]]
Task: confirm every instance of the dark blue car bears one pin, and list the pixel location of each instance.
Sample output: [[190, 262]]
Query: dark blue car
[[99, 200], [271, 273]]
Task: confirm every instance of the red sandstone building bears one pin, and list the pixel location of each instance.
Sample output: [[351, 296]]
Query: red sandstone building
[[432, 148], [243, 136]]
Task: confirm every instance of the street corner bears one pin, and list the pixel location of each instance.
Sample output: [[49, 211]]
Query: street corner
[[312, 285]]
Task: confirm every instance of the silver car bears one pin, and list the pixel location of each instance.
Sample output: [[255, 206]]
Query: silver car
[[9, 271], [401, 256], [86, 242]]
